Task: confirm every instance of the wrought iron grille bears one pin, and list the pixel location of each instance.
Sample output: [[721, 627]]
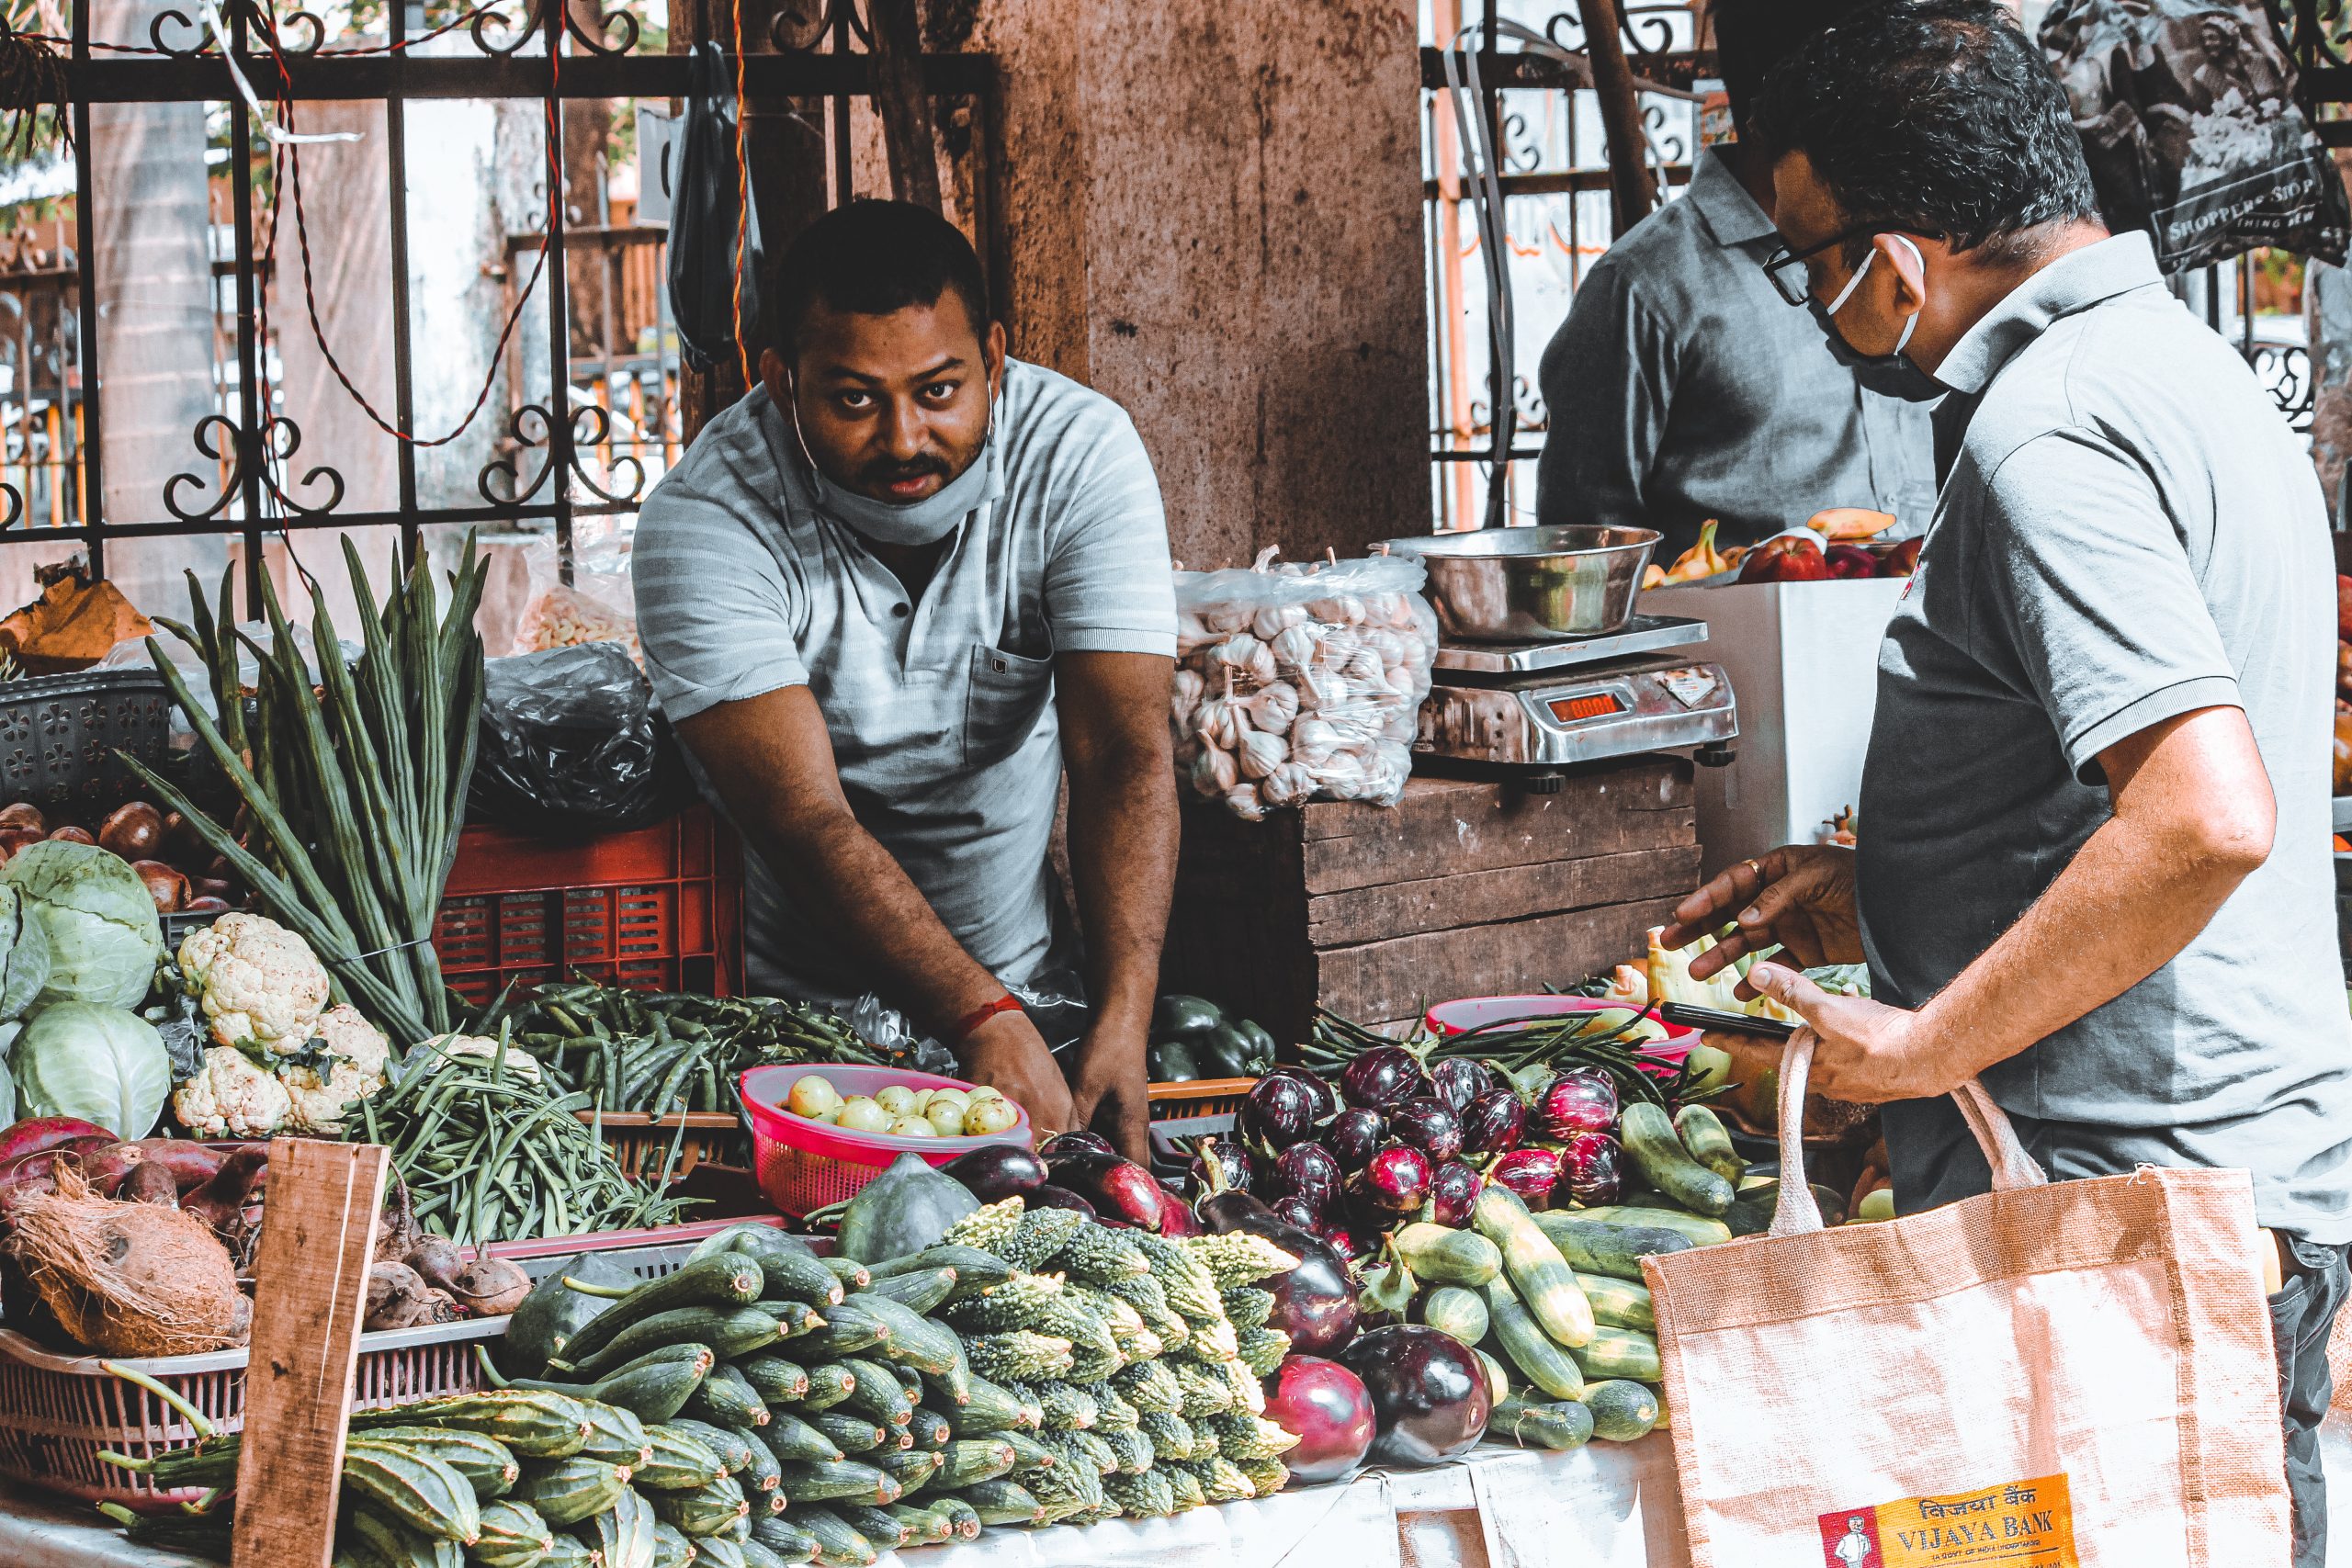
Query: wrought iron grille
[[249, 474]]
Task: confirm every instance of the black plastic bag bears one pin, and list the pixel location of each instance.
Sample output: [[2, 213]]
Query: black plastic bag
[[2189, 116], [572, 744], [707, 198]]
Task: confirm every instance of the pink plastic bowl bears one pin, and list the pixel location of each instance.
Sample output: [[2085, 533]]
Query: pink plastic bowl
[[1467, 1013], [805, 1165]]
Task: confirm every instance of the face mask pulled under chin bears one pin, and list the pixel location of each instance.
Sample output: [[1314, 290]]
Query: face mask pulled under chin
[[1888, 375]]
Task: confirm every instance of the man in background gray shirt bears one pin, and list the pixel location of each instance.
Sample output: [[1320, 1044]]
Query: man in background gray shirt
[[2092, 870], [1681, 389]]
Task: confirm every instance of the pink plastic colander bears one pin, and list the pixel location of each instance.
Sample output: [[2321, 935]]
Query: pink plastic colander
[[805, 1165]]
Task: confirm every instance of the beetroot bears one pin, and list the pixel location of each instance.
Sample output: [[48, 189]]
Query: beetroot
[[1581, 1099], [1429, 1395], [1530, 1173], [1279, 1113], [1393, 1181], [1592, 1166], [1427, 1125], [1328, 1409], [1453, 1192], [1309, 1172], [1493, 1122], [1458, 1080], [1354, 1135], [1382, 1077]]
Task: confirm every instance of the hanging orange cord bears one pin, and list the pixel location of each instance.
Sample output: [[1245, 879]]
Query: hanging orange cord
[[742, 201]]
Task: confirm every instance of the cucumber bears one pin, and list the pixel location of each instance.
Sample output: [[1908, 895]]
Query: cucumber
[[1456, 1310], [1567, 1425], [655, 1386], [929, 1428], [723, 1551], [786, 1538], [878, 1393], [992, 1408], [1027, 1451], [1547, 1366], [763, 1475], [830, 1383], [839, 1542], [1655, 1150], [726, 1398], [680, 1460], [567, 1491], [398, 1546], [728, 1331], [757, 1554], [962, 1519], [848, 1330], [790, 1437], [919, 1290], [969, 1460], [1539, 1277], [1003, 1503], [723, 1279], [928, 1529], [793, 1319], [912, 1469], [1702, 1134], [1620, 1353], [772, 1378], [851, 1434], [1751, 1211], [670, 1547], [512, 1536], [843, 1478], [487, 1464], [953, 1385], [848, 1271], [1702, 1230], [912, 1339], [1619, 1303], [1443, 1256], [787, 1266], [880, 1527], [975, 1269], [1591, 1246], [733, 1447], [1622, 1409], [414, 1488], [533, 1422], [710, 1510]]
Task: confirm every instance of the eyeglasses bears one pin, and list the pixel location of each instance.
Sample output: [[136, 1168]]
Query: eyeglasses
[[1797, 288]]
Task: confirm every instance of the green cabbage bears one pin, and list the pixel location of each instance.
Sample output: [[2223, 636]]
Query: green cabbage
[[96, 918], [23, 956], [101, 1064]]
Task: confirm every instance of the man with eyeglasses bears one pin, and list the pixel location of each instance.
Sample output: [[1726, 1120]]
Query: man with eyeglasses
[[2092, 866], [1680, 390]]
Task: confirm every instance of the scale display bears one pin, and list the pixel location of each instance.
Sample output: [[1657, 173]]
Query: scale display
[[1582, 706]]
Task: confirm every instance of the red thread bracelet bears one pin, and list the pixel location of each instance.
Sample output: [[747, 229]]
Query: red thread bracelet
[[970, 1022]]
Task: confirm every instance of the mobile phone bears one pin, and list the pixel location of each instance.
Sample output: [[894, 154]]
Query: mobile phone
[[1693, 1017]]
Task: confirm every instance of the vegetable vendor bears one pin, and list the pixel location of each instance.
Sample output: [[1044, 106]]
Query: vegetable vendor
[[2092, 867], [889, 599], [1681, 388]]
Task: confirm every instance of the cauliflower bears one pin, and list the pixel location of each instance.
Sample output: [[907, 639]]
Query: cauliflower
[[357, 1054], [230, 1096], [256, 982], [518, 1061]]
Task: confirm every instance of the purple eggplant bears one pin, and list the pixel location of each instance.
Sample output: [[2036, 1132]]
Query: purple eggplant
[[1393, 1181], [1353, 1135], [1429, 1395], [1428, 1126], [1294, 1210], [1061, 1146], [1382, 1077], [1311, 1172], [1581, 1099], [1279, 1113], [1458, 1080], [1176, 1216], [1493, 1123], [1121, 1192], [1328, 1409], [1327, 1100], [1049, 1196], [1592, 1168], [1453, 1192], [996, 1171], [1530, 1173], [1234, 1167]]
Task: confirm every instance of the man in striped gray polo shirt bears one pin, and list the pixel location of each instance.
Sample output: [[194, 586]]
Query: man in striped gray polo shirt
[[888, 600]]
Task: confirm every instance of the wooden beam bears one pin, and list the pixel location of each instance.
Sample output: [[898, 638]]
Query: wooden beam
[[1632, 193], [902, 102], [310, 1290]]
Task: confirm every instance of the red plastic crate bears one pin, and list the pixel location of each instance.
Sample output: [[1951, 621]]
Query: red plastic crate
[[658, 908]]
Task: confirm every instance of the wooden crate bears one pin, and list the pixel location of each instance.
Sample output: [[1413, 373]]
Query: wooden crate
[[1463, 889]]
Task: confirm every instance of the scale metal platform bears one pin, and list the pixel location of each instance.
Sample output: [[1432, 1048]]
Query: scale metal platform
[[1532, 711]]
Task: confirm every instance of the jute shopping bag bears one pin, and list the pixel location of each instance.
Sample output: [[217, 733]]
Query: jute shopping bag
[[2073, 1375]]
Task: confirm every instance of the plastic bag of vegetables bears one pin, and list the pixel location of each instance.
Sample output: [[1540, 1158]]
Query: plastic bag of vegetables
[[94, 916]]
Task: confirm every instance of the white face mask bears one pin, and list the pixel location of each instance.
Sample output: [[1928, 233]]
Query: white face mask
[[924, 522], [1910, 321]]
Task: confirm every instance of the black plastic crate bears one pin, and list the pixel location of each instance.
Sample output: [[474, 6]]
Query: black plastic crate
[[59, 734]]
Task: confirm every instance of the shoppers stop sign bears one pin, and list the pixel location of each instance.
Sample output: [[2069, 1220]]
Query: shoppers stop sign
[[2024, 1524]]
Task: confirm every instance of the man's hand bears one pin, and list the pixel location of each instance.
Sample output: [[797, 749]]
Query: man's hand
[[1800, 897], [1112, 1097], [1008, 1055], [1866, 1053]]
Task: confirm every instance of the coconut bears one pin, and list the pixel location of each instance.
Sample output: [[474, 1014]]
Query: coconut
[[128, 1278]]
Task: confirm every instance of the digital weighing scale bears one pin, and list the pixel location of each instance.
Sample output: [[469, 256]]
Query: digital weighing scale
[[1531, 711]]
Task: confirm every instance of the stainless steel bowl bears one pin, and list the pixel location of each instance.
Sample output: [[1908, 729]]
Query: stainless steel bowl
[[1531, 584]]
